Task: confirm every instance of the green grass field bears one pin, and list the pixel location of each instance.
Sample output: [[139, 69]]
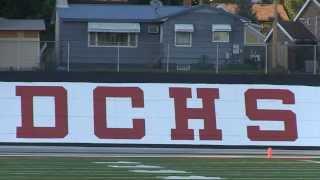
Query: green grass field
[[47, 168]]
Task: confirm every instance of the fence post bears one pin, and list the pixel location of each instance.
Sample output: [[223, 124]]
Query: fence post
[[68, 58], [19, 55], [217, 59], [38, 43], [168, 58], [118, 57], [315, 60], [266, 59]]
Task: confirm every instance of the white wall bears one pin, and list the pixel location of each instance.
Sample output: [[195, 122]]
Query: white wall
[[19, 53], [159, 114]]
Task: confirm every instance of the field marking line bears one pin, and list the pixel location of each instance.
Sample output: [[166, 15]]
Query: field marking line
[[136, 167], [121, 178], [116, 162], [311, 161], [159, 171], [25, 173], [191, 177]]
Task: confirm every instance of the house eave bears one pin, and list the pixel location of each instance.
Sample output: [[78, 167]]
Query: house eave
[[304, 7], [112, 20]]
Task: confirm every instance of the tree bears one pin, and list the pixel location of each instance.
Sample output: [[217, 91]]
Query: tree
[[245, 7], [30, 9], [293, 7], [27, 9]]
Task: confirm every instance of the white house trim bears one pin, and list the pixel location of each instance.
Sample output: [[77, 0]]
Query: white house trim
[[221, 27], [184, 28], [268, 35], [283, 30], [114, 27], [304, 7]]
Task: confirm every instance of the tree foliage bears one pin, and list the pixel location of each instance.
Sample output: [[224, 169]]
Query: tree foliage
[[31, 9], [293, 7], [245, 9]]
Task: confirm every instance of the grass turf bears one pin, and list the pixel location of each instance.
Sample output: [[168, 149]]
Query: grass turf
[[49, 168]]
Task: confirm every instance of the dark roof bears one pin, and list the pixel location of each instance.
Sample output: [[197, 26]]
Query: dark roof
[[96, 1], [22, 24], [298, 32], [118, 12], [129, 13]]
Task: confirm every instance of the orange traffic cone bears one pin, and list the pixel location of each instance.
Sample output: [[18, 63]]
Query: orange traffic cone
[[269, 153]]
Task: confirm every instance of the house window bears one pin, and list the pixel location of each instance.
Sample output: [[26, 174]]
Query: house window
[[153, 29], [221, 33], [183, 67], [308, 21], [183, 35], [220, 36], [184, 39], [93, 39], [110, 39]]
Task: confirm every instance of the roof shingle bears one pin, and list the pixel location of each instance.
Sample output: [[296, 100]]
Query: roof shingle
[[118, 12], [22, 24], [298, 32]]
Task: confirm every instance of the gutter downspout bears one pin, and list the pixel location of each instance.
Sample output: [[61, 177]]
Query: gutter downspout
[[274, 62], [316, 29]]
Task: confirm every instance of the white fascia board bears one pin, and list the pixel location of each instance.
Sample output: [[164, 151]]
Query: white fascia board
[[283, 30]]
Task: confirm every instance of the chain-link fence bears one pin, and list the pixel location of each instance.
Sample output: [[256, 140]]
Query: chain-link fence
[[216, 58], [293, 58], [26, 55]]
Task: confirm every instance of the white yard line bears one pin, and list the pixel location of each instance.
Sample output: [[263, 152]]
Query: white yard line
[[311, 161], [159, 171], [136, 167], [25, 173], [190, 177], [118, 162]]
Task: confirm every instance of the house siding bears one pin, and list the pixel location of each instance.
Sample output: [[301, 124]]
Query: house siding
[[150, 52], [19, 50], [202, 45], [76, 33], [312, 12], [292, 55]]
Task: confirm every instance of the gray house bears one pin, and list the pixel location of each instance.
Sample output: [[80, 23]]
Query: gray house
[[297, 39], [295, 46], [309, 15], [184, 37]]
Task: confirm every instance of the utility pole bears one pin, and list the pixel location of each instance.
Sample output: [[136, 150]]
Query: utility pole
[[275, 61]]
